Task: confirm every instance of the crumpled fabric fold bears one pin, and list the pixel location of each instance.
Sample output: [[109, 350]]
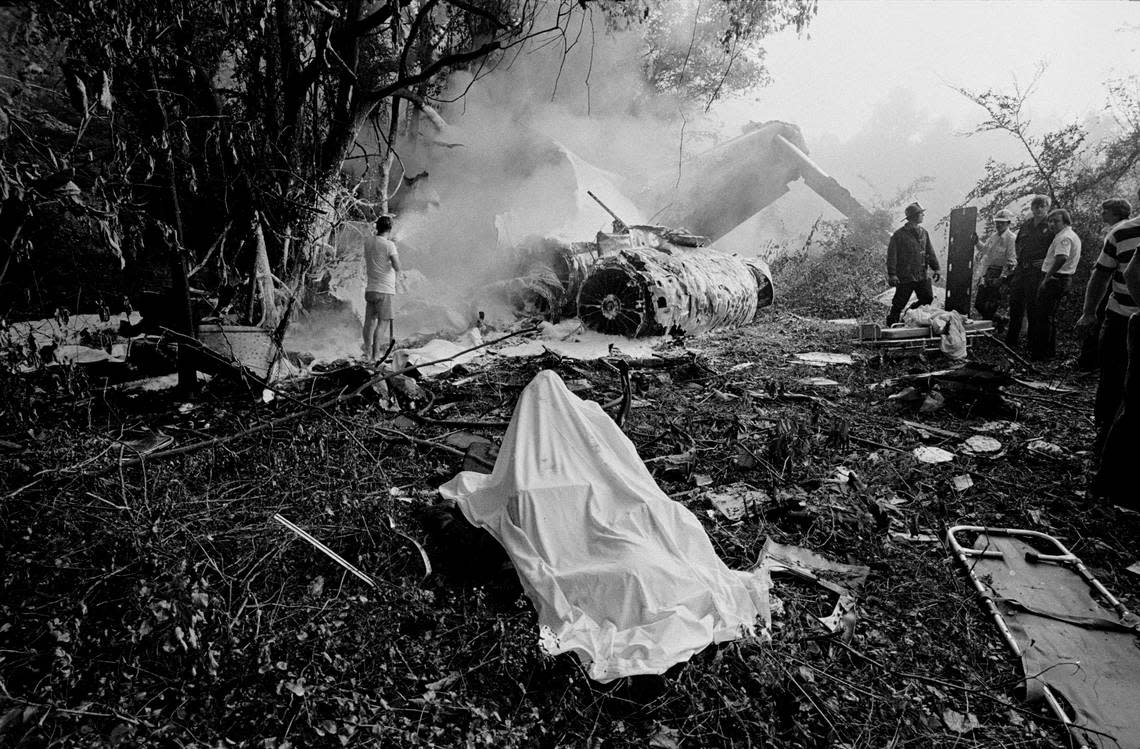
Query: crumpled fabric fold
[[950, 325], [620, 574]]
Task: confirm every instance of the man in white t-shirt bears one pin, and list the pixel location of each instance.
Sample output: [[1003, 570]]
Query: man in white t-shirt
[[1059, 265], [381, 264]]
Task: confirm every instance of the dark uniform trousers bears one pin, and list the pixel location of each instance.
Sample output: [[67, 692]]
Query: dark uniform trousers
[[1023, 290], [922, 289], [1043, 314], [1116, 477], [1113, 360]]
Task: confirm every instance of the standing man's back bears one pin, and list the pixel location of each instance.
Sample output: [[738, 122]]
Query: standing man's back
[[1120, 244], [381, 264]]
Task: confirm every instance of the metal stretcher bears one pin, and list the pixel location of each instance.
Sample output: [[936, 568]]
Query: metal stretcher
[[1080, 657], [919, 337]]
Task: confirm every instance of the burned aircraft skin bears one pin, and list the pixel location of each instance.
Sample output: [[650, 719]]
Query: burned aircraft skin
[[547, 274], [652, 280], [656, 286]]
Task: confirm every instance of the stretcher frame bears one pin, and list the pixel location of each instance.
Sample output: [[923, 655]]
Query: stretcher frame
[[920, 337], [1062, 557]]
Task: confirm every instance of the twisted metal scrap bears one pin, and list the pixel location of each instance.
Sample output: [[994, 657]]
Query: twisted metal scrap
[[654, 290]]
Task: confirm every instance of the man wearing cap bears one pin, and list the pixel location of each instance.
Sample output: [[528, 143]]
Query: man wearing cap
[[908, 255], [1033, 239], [1120, 245], [1058, 267], [997, 260]]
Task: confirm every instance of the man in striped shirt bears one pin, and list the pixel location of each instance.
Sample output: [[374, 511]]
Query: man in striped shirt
[[1116, 476], [1112, 212], [1120, 245]]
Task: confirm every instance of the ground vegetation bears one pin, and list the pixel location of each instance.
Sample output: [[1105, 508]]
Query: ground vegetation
[[155, 602]]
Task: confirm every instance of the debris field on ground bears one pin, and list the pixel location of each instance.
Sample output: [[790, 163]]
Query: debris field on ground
[[153, 599]]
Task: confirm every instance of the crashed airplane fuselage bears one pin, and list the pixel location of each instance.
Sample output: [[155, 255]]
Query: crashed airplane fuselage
[[662, 282], [651, 280]]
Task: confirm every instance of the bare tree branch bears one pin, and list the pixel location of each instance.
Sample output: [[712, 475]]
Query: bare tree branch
[[371, 98]]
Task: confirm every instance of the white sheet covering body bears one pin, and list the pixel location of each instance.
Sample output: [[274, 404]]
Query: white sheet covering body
[[619, 573]]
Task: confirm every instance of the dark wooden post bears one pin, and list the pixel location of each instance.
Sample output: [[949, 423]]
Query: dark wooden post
[[179, 278], [960, 259]]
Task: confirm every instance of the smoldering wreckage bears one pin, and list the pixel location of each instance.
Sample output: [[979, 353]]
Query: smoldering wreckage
[[674, 452]]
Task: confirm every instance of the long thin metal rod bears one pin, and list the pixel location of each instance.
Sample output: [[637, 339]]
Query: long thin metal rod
[[325, 550]]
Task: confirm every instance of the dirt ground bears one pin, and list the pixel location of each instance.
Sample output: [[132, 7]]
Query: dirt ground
[[156, 603]]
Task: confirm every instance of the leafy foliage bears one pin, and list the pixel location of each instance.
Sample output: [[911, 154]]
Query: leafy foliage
[[838, 271], [1062, 163], [226, 122], [1075, 170], [704, 49]]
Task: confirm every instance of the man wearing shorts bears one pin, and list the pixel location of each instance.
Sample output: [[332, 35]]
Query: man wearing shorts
[[381, 264]]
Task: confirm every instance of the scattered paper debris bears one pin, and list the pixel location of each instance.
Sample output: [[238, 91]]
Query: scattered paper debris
[[1048, 449], [817, 382], [962, 483], [76, 354], [933, 455], [981, 445], [959, 723], [665, 738], [847, 479], [916, 538], [844, 580], [451, 352], [998, 427], [824, 358], [735, 500]]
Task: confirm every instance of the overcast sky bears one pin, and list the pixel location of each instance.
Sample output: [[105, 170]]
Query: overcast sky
[[871, 84], [857, 51]]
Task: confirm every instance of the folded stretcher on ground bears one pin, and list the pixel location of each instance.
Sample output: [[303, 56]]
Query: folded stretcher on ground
[[1079, 647]]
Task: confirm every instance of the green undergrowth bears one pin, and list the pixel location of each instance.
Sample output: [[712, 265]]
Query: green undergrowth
[[160, 605]]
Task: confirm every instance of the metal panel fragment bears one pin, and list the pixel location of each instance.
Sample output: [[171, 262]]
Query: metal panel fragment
[[657, 287]]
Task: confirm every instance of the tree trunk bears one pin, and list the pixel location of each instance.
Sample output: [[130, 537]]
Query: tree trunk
[[179, 280], [263, 277]]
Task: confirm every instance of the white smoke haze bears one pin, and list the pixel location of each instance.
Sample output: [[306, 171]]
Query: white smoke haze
[[527, 139], [522, 146]]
